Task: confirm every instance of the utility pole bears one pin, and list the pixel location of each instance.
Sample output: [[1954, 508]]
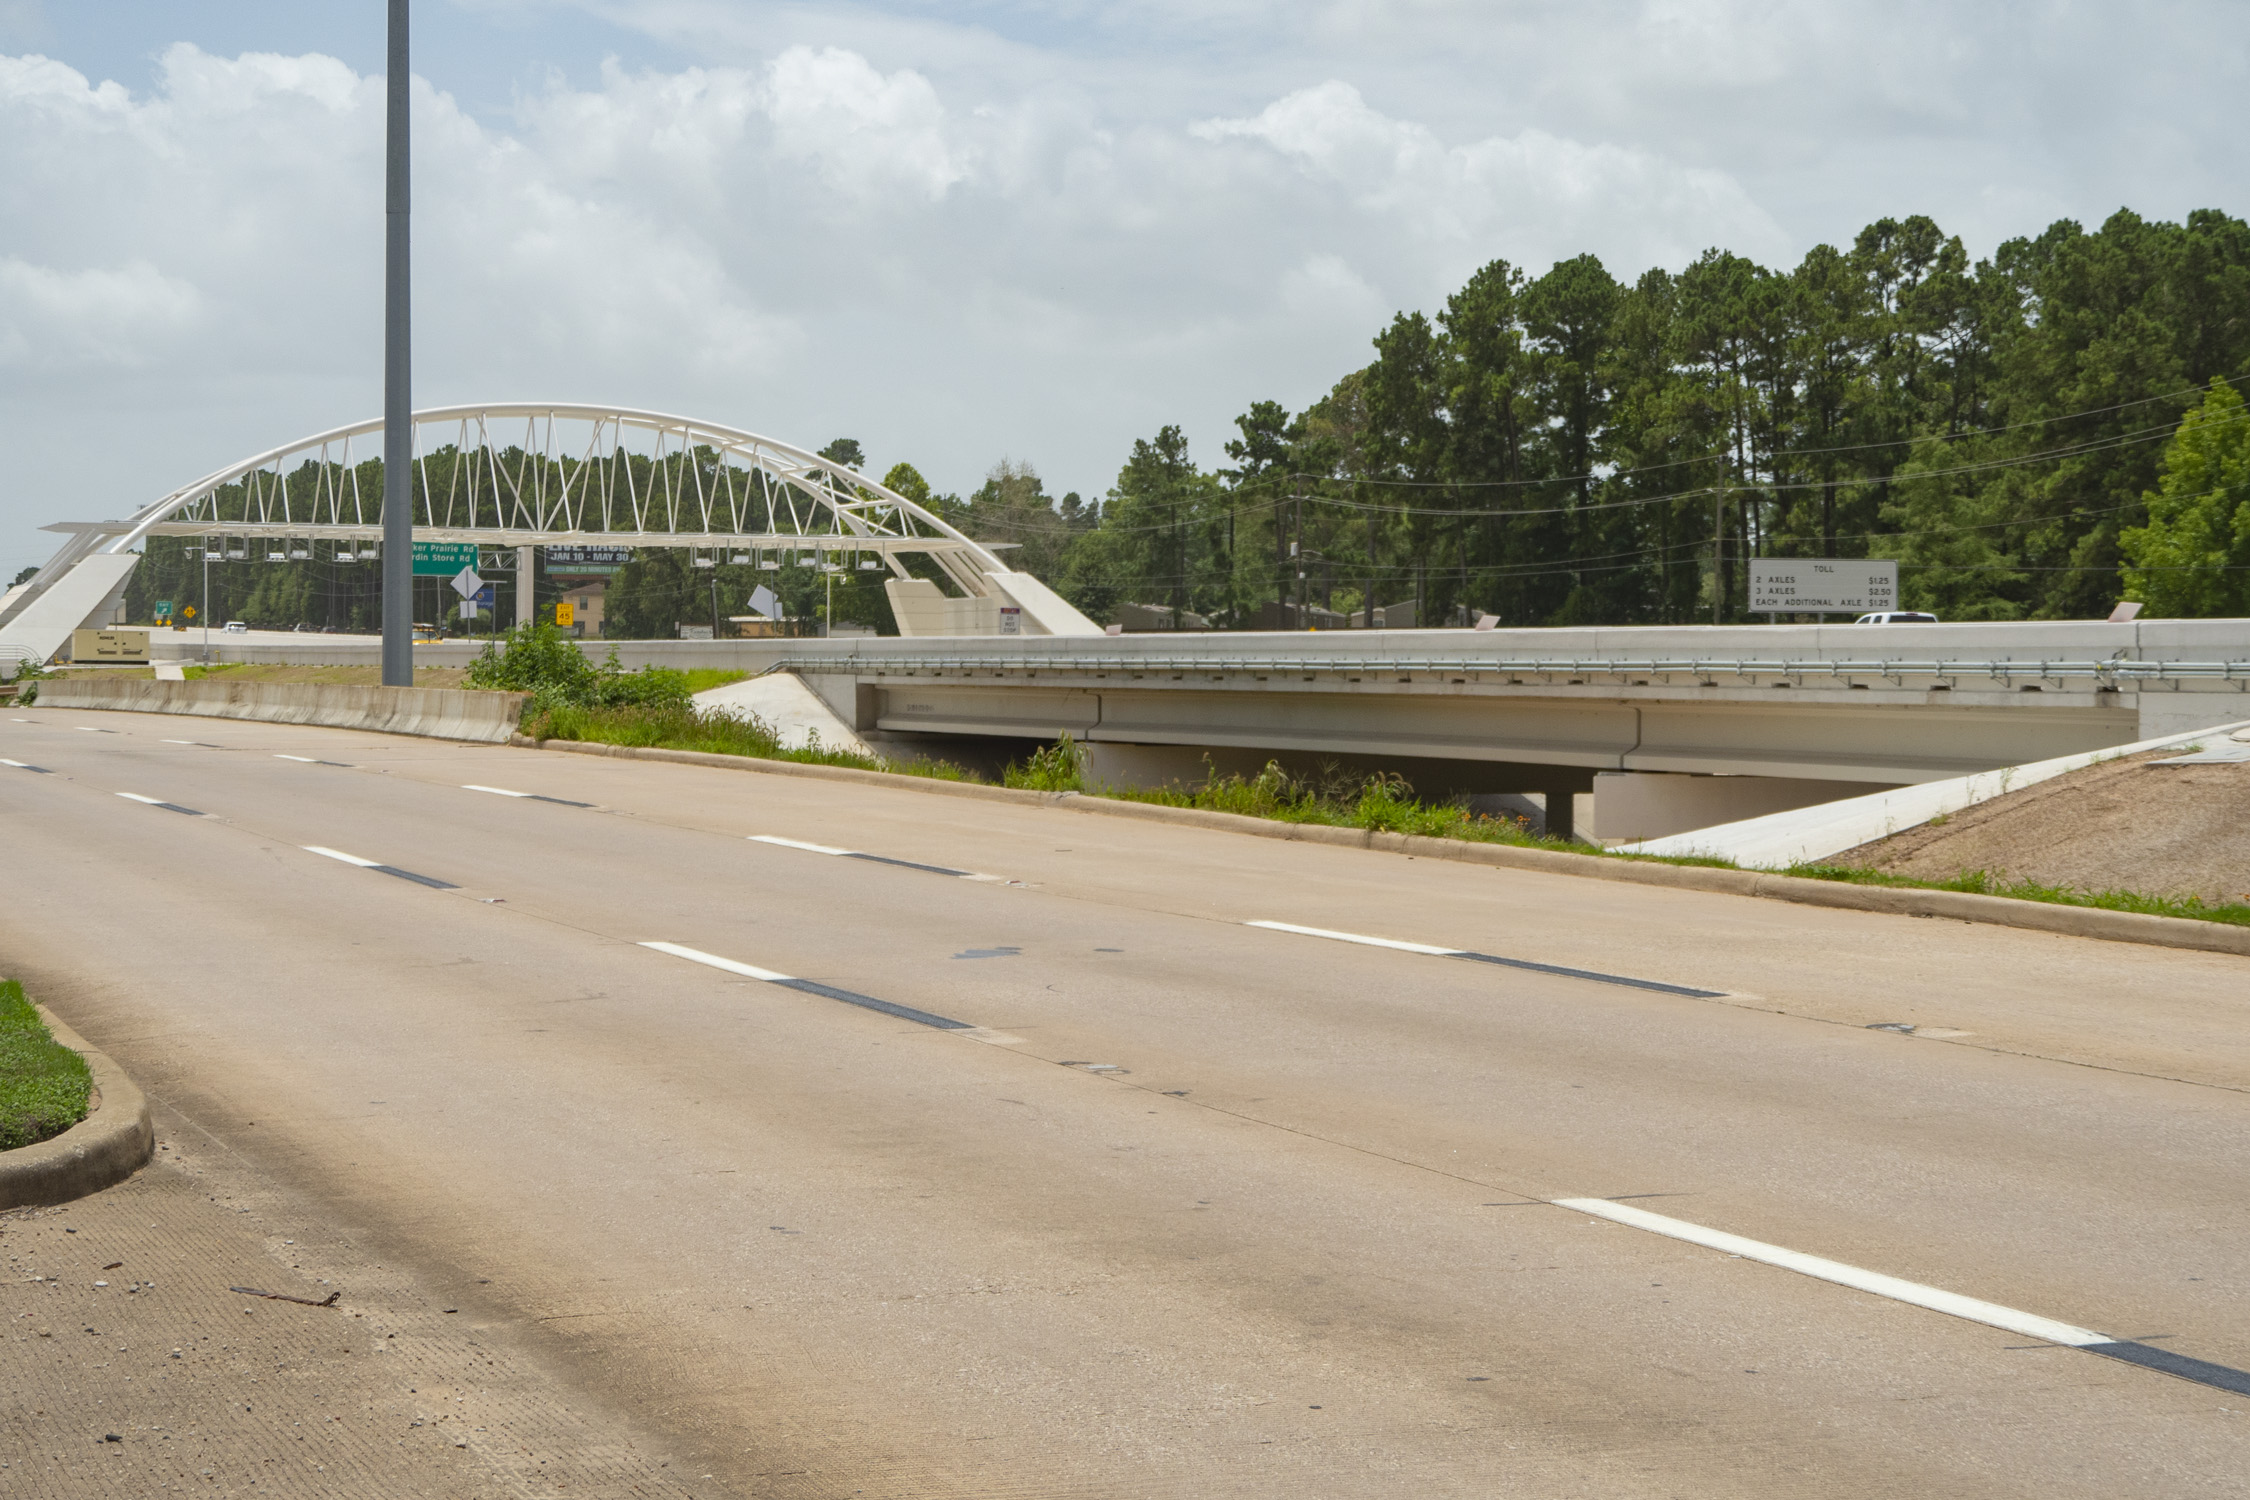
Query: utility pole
[[1374, 520], [398, 394], [1718, 543], [1297, 551]]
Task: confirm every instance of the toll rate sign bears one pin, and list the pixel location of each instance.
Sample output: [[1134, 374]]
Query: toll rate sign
[[1822, 585]]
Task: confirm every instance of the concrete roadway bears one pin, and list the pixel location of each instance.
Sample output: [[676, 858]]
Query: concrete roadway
[[1188, 1207]]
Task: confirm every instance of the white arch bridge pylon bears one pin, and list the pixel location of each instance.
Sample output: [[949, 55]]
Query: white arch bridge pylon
[[533, 475]]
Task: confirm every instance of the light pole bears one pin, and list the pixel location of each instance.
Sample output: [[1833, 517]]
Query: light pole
[[398, 407]]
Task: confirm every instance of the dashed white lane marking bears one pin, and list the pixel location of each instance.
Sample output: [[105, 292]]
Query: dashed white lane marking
[[379, 867], [1472, 956], [774, 838], [2030, 1325], [713, 961], [1361, 938], [501, 791], [813, 987], [878, 859], [159, 802], [1914, 1293], [349, 859], [303, 760]]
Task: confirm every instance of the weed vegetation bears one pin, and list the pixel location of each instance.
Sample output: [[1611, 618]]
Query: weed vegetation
[[44, 1086], [1985, 883]]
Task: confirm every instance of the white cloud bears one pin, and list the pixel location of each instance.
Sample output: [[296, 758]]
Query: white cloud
[[1535, 193], [868, 133], [1039, 229], [58, 320]]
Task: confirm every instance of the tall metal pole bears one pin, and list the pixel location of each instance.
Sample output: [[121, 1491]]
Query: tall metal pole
[[398, 395]]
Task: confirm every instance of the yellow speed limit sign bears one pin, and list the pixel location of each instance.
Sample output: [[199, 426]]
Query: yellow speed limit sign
[[566, 614]]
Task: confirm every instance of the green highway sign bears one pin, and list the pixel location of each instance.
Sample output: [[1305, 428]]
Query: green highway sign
[[443, 559]]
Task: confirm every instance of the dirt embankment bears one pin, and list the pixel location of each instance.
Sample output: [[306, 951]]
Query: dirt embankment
[[2131, 825]]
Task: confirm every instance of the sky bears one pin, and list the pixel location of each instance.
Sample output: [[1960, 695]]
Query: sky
[[1032, 229]]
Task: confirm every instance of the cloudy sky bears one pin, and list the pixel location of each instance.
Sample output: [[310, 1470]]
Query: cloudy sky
[[1025, 228]]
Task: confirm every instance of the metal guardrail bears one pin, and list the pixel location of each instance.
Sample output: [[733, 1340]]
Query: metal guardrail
[[1075, 663]]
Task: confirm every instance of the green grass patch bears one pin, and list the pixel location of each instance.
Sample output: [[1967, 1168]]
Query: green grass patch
[[44, 1086], [1985, 883], [703, 679], [683, 726]]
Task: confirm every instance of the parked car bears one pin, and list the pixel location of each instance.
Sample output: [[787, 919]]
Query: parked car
[[237, 627], [1897, 617]]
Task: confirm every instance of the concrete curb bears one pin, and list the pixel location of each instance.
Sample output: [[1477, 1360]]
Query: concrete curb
[[115, 1140], [2036, 916], [434, 713]]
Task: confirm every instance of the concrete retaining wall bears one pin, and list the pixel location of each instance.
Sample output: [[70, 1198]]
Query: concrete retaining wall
[[440, 713]]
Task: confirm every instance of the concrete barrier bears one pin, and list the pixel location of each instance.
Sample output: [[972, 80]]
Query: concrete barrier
[[439, 713]]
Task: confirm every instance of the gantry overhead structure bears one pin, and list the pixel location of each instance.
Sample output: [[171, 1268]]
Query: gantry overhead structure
[[518, 475]]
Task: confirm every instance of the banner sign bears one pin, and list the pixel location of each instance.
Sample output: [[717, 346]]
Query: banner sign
[[1822, 585], [587, 562]]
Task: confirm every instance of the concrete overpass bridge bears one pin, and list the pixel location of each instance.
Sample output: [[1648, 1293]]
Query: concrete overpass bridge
[[1671, 727]]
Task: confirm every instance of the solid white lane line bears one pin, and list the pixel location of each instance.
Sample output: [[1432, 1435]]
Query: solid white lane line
[[497, 791], [767, 838], [697, 956], [349, 859], [1354, 937], [2030, 1325]]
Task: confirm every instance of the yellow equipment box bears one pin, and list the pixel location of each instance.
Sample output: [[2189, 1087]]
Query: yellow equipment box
[[108, 645]]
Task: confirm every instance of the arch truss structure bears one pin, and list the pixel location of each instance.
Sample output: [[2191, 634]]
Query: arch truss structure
[[544, 475]]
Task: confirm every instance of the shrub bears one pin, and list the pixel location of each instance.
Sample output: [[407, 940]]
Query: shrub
[[1051, 768], [542, 661]]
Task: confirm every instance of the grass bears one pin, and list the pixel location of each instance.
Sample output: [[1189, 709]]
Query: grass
[[44, 1086], [1985, 883], [703, 679], [683, 726]]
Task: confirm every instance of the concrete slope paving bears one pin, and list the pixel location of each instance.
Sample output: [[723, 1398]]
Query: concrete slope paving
[[1191, 1205]]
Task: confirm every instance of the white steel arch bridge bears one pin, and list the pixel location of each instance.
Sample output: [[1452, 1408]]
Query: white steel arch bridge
[[543, 474]]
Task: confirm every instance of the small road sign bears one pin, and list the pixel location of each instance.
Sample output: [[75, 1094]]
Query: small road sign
[[565, 615], [466, 582]]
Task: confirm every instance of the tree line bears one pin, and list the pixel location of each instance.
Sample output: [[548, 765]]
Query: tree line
[[2032, 435], [1571, 448]]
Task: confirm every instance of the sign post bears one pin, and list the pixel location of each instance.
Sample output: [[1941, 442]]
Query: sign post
[[1822, 585]]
